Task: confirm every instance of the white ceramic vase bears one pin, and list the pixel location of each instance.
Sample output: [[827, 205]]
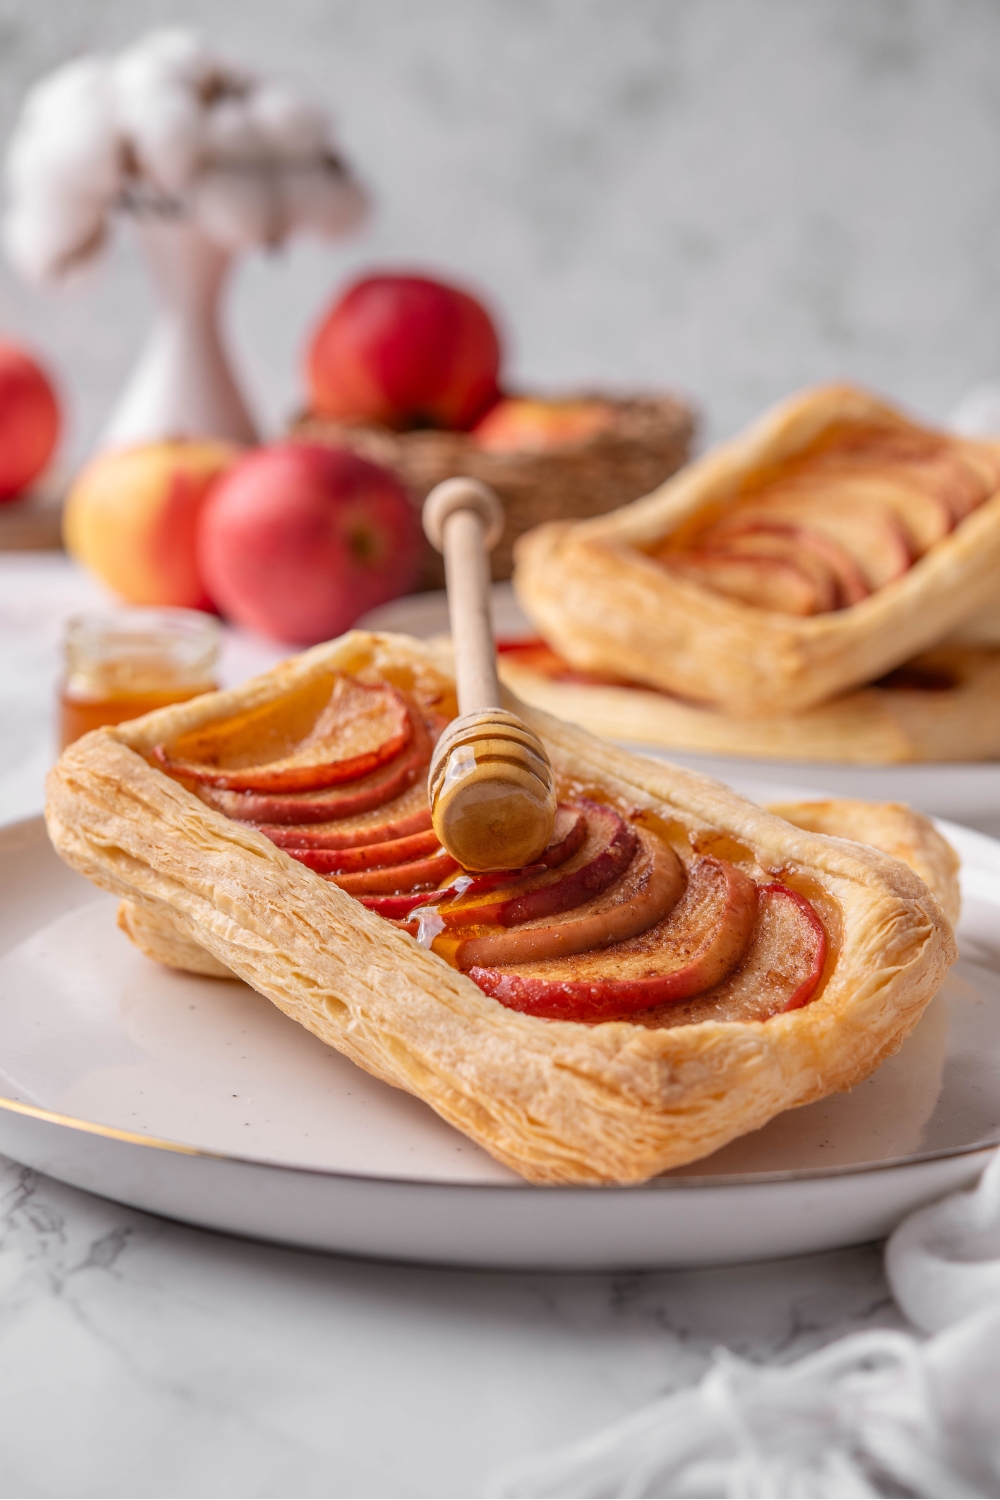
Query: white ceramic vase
[[182, 385]]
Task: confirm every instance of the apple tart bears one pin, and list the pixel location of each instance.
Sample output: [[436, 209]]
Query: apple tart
[[676, 968], [832, 541], [942, 706]]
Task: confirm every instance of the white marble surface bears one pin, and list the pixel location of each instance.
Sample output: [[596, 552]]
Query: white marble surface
[[142, 1358]]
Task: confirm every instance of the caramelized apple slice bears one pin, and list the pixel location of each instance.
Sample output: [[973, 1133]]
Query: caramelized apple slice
[[765, 582], [924, 517], [567, 835], [367, 856], [771, 543], [602, 855], [652, 884], [303, 743], [702, 940], [364, 795], [870, 534], [850, 582], [781, 971], [417, 875], [355, 835], [960, 477], [973, 477]]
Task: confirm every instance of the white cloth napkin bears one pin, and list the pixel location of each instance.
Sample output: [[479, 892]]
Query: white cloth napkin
[[880, 1413]]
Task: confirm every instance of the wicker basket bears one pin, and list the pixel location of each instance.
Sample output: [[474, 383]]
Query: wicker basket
[[648, 439]]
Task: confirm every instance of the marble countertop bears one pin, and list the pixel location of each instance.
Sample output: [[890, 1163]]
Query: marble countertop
[[144, 1358]]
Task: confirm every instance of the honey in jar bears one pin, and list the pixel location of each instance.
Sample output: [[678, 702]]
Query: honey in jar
[[121, 664]]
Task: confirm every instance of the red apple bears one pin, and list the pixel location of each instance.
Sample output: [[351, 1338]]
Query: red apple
[[298, 540], [405, 351], [29, 420]]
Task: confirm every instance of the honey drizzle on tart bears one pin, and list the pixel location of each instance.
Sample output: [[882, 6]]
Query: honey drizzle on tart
[[620, 917], [826, 527]]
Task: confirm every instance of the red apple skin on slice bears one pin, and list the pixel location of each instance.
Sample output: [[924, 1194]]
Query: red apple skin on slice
[[335, 836], [782, 970], [870, 534], [764, 582], [785, 548], [368, 856], [360, 728], [333, 803], [653, 883], [418, 875], [958, 475], [703, 939], [850, 582], [924, 517], [568, 834], [601, 857]]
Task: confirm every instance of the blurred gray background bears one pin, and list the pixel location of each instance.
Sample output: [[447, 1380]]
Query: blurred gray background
[[724, 197]]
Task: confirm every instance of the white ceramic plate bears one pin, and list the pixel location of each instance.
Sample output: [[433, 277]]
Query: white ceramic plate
[[967, 792], [197, 1099]]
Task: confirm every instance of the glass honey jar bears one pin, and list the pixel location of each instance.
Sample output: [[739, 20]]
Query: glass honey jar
[[120, 664]]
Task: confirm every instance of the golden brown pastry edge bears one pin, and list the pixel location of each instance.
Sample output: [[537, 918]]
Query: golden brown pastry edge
[[609, 608]]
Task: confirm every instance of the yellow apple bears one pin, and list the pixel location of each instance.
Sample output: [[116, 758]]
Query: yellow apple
[[131, 517], [529, 424]]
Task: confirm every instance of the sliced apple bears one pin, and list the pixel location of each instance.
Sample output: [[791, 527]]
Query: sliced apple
[[539, 657], [850, 582], [923, 515], [357, 797], [786, 548], [972, 478], [703, 939], [870, 534], [305, 747], [602, 855], [397, 908], [782, 969], [652, 884], [567, 835], [367, 856], [960, 476], [417, 875], [765, 582], [337, 836]]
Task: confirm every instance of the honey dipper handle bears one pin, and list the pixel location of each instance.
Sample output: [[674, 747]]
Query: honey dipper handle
[[464, 520]]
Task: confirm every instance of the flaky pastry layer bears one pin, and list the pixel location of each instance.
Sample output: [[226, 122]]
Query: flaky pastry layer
[[559, 1102], [874, 725], [608, 608]]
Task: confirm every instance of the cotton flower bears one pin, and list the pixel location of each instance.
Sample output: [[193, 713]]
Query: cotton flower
[[168, 126], [63, 168]]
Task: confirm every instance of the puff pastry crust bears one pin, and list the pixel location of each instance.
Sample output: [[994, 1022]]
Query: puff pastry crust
[[945, 706], [609, 608], [559, 1102]]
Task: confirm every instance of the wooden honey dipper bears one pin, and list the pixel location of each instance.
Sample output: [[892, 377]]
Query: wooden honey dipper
[[491, 789]]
